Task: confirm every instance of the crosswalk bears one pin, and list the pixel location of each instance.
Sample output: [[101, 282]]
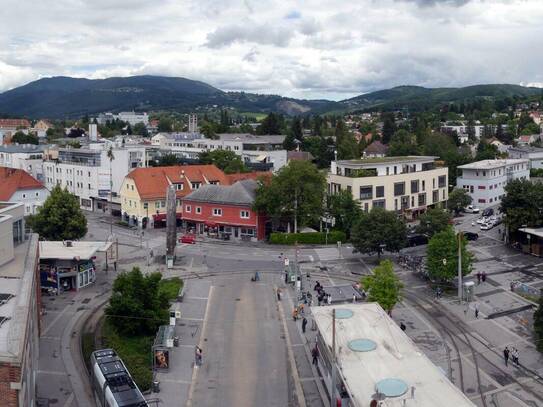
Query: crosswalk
[[327, 253]]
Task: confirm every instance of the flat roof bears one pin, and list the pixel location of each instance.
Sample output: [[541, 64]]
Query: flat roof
[[527, 149], [387, 160], [395, 356], [532, 231], [248, 138], [60, 251], [490, 164], [17, 279], [22, 148]]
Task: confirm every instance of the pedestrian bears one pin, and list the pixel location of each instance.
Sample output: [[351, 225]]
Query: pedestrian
[[301, 309], [329, 300], [476, 311], [483, 276], [278, 294], [295, 314], [315, 355], [402, 326], [197, 356], [515, 356], [506, 355], [115, 265], [286, 277], [317, 286], [354, 298], [304, 324], [478, 277]]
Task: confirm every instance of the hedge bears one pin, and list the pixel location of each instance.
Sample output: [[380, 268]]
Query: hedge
[[308, 238]]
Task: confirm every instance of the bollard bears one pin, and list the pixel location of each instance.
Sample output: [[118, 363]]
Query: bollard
[[176, 341], [156, 386]]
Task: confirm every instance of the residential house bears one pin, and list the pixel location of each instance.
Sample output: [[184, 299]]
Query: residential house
[[225, 211], [375, 150], [485, 180], [407, 185], [528, 139], [533, 154], [9, 127], [27, 157], [537, 117], [41, 127], [19, 186]]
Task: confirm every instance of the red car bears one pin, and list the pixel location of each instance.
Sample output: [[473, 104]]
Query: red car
[[190, 239]]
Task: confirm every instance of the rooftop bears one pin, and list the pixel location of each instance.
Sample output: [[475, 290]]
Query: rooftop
[[13, 180], [491, 164], [527, 149], [392, 357], [241, 193], [252, 139], [21, 148], [376, 148], [61, 251], [387, 160]]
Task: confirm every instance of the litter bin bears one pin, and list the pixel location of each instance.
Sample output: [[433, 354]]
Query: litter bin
[[176, 341], [156, 386]]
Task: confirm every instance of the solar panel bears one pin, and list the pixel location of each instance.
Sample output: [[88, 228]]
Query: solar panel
[[4, 319], [5, 298]]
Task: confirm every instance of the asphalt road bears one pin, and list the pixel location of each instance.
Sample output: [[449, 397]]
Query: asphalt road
[[245, 361]]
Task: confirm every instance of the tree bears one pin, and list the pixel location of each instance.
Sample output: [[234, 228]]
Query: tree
[[165, 125], [383, 286], [486, 151], [521, 204], [60, 217], [458, 200], [403, 143], [295, 193], [344, 209], [228, 161], [272, 124], [378, 230], [538, 325], [389, 127], [137, 305], [442, 256], [140, 129], [347, 147], [22, 138], [168, 160], [433, 221]]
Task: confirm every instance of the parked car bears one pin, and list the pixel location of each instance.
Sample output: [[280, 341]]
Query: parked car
[[487, 226], [471, 236], [488, 212], [417, 240], [189, 239], [481, 220], [472, 209]]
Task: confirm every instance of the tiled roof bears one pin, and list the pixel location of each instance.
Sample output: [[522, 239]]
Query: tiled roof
[[14, 123], [300, 155], [12, 180], [241, 193], [376, 148]]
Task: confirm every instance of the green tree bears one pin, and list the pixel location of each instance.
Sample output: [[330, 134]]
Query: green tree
[[295, 193], [168, 160], [538, 325], [378, 230], [140, 129], [486, 151], [347, 147], [403, 143], [165, 124], [383, 286], [60, 217], [228, 161], [458, 200], [22, 138], [389, 127], [521, 204], [272, 124], [433, 221], [442, 256], [137, 305], [344, 209]]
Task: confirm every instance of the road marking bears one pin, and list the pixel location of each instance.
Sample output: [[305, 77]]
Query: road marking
[[202, 335], [195, 298], [54, 321], [194, 319], [70, 400], [52, 338], [52, 372], [179, 381]]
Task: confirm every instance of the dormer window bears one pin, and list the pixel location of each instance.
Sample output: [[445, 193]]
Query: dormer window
[[179, 187]]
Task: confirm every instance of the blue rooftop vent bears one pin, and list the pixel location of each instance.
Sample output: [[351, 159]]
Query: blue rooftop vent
[[362, 345], [391, 387], [344, 313]]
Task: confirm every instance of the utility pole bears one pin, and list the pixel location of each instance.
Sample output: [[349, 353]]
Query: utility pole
[[296, 210], [460, 266], [333, 383]]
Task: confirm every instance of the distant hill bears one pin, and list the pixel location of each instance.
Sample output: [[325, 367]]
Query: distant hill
[[64, 97], [418, 98]]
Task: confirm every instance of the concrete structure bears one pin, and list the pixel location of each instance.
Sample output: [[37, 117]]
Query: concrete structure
[[404, 184], [462, 130], [93, 132], [19, 186], [224, 211], [376, 360], [193, 123], [533, 154], [131, 118], [485, 180], [20, 316], [86, 172], [27, 157]]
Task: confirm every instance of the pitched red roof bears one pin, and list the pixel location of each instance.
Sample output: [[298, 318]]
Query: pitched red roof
[[9, 123], [13, 180], [376, 148]]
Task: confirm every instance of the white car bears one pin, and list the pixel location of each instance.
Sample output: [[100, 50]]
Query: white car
[[487, 226], [482, 220], [471, 209]]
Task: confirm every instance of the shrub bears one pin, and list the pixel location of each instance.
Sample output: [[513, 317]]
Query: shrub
[[308, 238]]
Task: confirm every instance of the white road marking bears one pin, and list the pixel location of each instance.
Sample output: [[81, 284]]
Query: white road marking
[[70, 400]]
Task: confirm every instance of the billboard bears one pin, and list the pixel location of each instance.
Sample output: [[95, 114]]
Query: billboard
[[162, 358]]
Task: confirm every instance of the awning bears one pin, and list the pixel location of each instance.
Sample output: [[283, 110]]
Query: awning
[[159, 217], [210, 224], [261, 157]]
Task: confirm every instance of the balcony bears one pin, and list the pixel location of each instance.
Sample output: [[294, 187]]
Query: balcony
[[360, 173]]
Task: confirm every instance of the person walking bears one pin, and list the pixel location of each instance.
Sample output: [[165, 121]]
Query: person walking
[[115, 265], [301, 309], [278, 294], [506, 355], [304, 324], [197, 356], [483, 276], [478, 277], [329, 299], [354, 298], [295, 313], [515, 356], [315, 355], [476, 311]]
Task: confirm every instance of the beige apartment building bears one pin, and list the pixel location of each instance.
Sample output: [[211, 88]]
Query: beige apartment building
[[408, 185]]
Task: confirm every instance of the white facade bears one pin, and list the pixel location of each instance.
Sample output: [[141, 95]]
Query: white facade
[[485, 180], [31, 198], [534, 154], [131, 117], [462, 130], [193, 123], [25, 157]]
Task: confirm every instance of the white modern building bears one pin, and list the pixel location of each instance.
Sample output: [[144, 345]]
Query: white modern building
[[130, 117], [86, 172], [27, 157], [407, 184], [485, 180], [534, 154]]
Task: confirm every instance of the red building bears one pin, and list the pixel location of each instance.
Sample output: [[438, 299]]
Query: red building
[[224, 211]]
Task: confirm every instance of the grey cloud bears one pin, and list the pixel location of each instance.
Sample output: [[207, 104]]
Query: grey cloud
[[251, 55], [430, 3], [258, 34]]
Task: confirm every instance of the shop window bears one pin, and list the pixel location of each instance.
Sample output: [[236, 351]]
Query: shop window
[[244, 214], [217, 212]]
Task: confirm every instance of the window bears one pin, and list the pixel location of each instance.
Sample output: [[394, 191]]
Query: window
[[157, 204], [399, 188], [379, 203], [163, 204], [388, 170], [423, 185], [433, 182], [145, 205], [24, 196], [481, 187], [37, 194], [414, 186], [178, 202], [435, 196], [422, 199], [89, 173], [366, 207], [244, 214], [179, 187], [89, 186], [380, 191], [217, 212], [395, 170], [196, 185], [198, 210], [188, 208], [132, 187], [442, 181], [366, 192], [482, 200], [412, 201], [127, 186]]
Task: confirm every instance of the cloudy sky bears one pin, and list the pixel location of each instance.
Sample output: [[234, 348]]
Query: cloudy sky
[[313, 48]]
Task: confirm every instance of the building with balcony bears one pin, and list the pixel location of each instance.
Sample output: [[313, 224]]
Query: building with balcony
[[533, 154], [407, 185], [485, 180]]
